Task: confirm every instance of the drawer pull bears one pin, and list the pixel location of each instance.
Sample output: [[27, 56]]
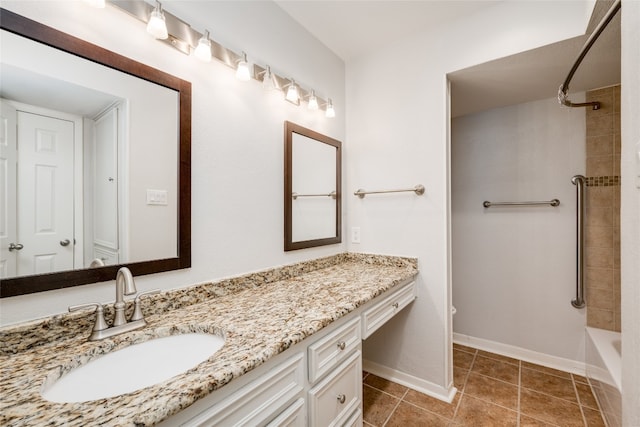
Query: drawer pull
[[395, 305], [342, 398], [341, 345]]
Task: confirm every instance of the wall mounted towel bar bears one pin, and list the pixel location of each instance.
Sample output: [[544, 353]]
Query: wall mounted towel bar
[[418, 189], [554, 202], [296, 195]]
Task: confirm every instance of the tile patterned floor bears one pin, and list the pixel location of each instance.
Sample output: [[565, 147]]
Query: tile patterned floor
[[493, 391]]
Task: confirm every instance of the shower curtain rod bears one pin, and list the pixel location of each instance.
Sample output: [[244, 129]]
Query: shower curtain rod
[[563, 96]]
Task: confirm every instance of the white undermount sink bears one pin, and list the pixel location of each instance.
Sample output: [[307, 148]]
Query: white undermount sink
[[133, 368]]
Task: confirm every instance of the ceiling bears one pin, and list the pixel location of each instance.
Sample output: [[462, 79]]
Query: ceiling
[[47, 92], [356, 27], [537, 73]]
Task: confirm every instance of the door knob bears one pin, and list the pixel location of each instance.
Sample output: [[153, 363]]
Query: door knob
[[65, 242], [13, 246]]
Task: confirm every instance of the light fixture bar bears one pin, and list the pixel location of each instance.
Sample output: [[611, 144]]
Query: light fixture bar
[[184, 38], [282, 83], [181, 35]]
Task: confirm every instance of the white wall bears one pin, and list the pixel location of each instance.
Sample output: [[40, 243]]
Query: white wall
[[397, 128], [514, 268], [237, 135], [630, 213]]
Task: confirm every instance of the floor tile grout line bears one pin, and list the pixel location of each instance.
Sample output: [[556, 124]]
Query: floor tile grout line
[[426, 409], [494, 378], [553, 396], [386, 392], [597, 399], [575, 390], [519, 389], [464, 386], [394, 409]]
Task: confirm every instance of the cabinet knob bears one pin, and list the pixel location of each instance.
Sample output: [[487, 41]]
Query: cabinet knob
[[341, 398], [395, 305], [341, 345]]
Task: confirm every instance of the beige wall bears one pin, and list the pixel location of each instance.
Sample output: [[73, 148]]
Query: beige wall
[[602, 234]]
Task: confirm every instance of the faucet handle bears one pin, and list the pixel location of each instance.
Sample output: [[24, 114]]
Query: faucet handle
[[137, 310], [100, 324]]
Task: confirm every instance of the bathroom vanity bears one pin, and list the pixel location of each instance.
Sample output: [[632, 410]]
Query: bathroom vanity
[[292, 352]]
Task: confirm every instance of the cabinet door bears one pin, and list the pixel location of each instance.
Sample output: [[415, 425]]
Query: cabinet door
[[334, 399]]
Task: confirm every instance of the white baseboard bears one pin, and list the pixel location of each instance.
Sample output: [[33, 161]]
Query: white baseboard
[[555, 362], [415, 383]]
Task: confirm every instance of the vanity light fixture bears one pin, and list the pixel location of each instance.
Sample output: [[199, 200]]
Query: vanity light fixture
[[292, 93], [156, 26], [267, 79], [242, 72], [329, 111], [313, 101], [203, 50], [187, 40]]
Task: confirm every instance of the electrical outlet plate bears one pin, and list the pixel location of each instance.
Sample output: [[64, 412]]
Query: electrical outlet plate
[[355, 234]]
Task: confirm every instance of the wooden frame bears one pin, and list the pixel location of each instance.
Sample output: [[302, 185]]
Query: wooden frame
[[35, 31], [289, 245]]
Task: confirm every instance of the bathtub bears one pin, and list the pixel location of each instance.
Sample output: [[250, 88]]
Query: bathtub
[[604, 370]]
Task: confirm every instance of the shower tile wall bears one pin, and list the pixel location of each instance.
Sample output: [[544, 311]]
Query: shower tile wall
[[602, 235]]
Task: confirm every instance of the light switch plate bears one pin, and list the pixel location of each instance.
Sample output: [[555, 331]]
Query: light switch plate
[[157, 197]]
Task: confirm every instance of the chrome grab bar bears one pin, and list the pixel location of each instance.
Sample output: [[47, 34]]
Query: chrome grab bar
[[554, 202], [295, 195], [579, 181], [418, 189]]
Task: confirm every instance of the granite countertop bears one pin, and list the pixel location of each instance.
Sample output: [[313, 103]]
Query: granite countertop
[[260, 315]]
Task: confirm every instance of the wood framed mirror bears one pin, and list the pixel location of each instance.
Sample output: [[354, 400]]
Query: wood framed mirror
[[312, 188], [171, 201]]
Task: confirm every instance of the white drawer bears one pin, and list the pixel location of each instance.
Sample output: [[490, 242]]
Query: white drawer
[[355, 420], [260, 401], [293, 416], [328, 352], [380, 313], [334, 399]]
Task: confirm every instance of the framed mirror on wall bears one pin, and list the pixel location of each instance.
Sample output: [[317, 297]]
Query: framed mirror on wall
[[83, 197], [312, 188]]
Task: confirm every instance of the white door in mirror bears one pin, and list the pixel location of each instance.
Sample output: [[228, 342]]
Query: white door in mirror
[[133, 368]]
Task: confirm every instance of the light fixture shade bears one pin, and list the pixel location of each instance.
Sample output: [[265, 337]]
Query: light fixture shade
[[292, 93], [313, 101], [157, 26], [267, 80], [203, 50], [330, 112], [242, 72]]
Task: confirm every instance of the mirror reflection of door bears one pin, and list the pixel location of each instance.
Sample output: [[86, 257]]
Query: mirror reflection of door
[[105, 186], [51, 220], [41, 221], [8, 168]]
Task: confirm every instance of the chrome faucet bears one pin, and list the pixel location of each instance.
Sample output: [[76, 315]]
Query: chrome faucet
[[125, 285]]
